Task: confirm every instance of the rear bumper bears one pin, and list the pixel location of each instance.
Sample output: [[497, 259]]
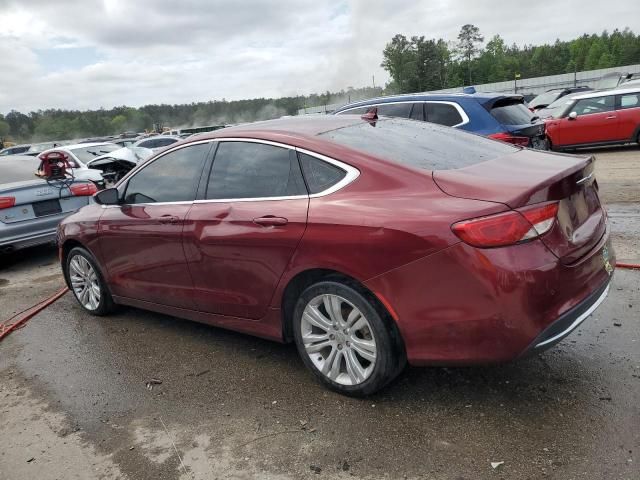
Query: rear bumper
[[31, 240], [465, 306], [568, 322]]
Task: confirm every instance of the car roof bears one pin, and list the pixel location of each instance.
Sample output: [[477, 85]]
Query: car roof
[[303, 126], [482, 97], [80, 145], [605, 93], [176, 137]]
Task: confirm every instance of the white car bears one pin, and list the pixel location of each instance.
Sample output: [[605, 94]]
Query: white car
[[157, 142], [117, 164], [81, 153]]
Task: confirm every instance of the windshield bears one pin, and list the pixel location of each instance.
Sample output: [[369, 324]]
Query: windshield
[[558, 108], [544, 99], [84, 154], [421, 145]]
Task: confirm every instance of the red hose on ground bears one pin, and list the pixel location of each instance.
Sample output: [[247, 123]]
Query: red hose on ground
[[630, 266], [22, 317]]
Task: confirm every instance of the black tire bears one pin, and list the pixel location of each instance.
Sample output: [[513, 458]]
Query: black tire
[[390, 358], [106, 304]]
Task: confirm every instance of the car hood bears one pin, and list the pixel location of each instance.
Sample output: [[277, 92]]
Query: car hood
[[132, 155]]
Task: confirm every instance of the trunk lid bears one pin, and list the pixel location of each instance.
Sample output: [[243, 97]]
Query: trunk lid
[[528, 177]]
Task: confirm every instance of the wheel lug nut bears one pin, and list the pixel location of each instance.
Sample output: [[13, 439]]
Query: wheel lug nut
[[335, 326], [332, 336], [339, 346], [348, 344], [346, 331]]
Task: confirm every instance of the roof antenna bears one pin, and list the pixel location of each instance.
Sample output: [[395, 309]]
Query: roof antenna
[[371, 115]]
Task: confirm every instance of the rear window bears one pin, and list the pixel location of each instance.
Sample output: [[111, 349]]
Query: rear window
[[18, 169], [511, 112], [419, 144], [546, 98]]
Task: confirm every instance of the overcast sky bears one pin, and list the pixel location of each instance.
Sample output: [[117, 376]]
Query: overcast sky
[[90, 54]]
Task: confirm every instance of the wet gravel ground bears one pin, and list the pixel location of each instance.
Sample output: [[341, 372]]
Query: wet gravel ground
[[144, 396]]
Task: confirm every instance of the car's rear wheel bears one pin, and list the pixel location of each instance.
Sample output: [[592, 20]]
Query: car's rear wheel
[[86, 282], [343, 339]]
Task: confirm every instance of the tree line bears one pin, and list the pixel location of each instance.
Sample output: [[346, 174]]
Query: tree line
[[57, 124], [420, 64], [414, 64]]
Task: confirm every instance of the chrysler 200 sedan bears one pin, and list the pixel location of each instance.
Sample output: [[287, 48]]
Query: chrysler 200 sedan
[[367, 242]]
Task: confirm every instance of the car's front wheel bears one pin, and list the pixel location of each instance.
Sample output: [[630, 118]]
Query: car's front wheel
[[86, 282], [343, 339]]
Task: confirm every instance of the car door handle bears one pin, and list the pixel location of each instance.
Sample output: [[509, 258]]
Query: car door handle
[[611, 117], [164, 219], [270, 220]]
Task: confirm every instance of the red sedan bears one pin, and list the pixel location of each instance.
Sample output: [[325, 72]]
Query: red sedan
[[607, 117], [367, 242]]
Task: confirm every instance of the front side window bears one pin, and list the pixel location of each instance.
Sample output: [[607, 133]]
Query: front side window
[[630, 100], [402, 110], [443, 114], [587, 106], [171, 178], [254, 170]]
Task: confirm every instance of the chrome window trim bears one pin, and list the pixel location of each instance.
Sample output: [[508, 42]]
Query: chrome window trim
[[461, 112], [351, 173]]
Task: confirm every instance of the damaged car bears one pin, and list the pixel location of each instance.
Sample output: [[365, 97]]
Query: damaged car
[[116, 164]]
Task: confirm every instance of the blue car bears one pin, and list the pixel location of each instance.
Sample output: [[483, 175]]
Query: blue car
[[499, 116]]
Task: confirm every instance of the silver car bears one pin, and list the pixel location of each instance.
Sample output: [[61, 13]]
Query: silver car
[[30, 207]]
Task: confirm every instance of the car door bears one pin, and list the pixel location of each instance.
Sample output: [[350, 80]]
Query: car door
[[628, 111], [596, 122], [241, 235], [141, 238]]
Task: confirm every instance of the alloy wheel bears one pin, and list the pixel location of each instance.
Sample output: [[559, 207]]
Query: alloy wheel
[[338, 339], [84, 282]]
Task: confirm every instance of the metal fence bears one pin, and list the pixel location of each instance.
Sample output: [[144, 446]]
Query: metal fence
[[534, 85]]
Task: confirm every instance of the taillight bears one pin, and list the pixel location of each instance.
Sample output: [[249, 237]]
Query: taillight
[[507, 228], [507, 137], [7, 202], [83, 189]]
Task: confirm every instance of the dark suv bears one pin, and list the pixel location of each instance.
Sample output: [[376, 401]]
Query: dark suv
[[499, 116]]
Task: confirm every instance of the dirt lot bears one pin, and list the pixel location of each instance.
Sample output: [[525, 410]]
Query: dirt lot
[[74, 401]]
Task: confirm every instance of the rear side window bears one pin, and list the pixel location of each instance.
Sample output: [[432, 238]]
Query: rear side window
[[443, 114], [319, 174], [510, 112], [173, 177], [402, 110], [254, 170], [630, 100], [418, 144]]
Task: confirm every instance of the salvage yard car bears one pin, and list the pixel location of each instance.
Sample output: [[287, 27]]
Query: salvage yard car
[[30, 207], [80, 154], [367, 243], [607, 117], [494, 115]]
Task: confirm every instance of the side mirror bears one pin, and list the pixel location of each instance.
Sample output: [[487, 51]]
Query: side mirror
[[108, 196], [573, 116]]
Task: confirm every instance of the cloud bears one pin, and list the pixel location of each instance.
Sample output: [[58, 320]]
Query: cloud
[[119, 52]]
